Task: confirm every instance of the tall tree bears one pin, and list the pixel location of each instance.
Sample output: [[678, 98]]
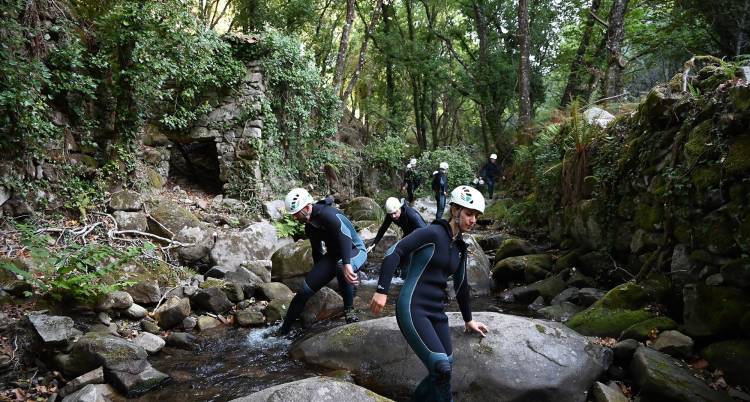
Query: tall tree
[[363, 50], [577, 67], [615, 60], [338, 76], [524, 73]]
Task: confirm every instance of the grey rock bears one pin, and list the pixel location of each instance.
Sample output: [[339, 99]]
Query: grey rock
[[663, 378], [126, 201], [136, 312], [114, 353], [235, 292], [567, 295], [189, 323], [202, 239], [137, 381], [172, 312], [117, 300], [249, 317], [490, 242], [95, 376], [527, 360], [212, 299], [261, 268], [478, 268], [715, 280], [256, 242], [559, 312], [207, 322], [150, 342], [53, 330], [104, 318], [623, 351], [274, 209], [605, 393], [598, 117], [146, 292], [315, 389], [324, 304], [181, 340], [292, 260], [537, 304], [150, 326], [674, 343], [589, 296], [275, 291], [131, 220], [275, 311], [5, 195], [89, 393]]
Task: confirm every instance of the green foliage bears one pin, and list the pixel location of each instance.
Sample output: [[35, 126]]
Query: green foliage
[[385, 153], [289, 227], [81, 272], [463, 165]]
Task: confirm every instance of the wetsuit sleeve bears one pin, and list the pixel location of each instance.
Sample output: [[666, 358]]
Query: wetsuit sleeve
[[463, 294], [416, 218], [333, 224], [386, 224], [316, 245], [403, 248]]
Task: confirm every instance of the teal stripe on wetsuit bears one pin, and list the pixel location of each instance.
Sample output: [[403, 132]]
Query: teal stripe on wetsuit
[[349, 231]]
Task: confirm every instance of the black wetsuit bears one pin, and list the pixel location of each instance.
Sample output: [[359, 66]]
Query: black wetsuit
[[411, 181], [409, 221], [343, 246], [420, 309], [490, 171]]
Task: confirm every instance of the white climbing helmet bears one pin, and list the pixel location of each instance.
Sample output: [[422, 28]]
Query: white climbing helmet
[[392, 204], [413, 161], [468, 197], [409, 166], [297, 199], [493, 156], [444, 165]]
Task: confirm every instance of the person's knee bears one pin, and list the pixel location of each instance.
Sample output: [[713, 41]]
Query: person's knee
[[443, 371]]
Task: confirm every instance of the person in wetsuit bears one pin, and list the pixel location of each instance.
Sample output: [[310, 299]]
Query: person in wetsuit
[[489, 172], [438, 251], [345, 253], [440, 188], [411, 180], [405, 217]]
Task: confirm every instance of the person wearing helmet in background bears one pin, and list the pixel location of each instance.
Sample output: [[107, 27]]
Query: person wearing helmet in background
[[345, 253], [437, 252], [489, 173], [440, 188], [404, 216], [411, 180]]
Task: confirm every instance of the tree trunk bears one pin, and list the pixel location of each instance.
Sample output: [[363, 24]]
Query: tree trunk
[[390, 86], [363, 49], [482, 84], [615, 61], [524, 73], [572, 88], [419, 122], [338, 76]]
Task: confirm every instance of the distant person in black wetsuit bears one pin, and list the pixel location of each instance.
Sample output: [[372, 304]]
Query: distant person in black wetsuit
[[437, 252], [440, 188], [411, 180], [345, 253], [404, 216], [489, 172]]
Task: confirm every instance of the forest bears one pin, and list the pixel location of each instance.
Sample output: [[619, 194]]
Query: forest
[[151, 151]]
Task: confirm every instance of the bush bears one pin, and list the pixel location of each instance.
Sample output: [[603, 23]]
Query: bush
[[463, 165]]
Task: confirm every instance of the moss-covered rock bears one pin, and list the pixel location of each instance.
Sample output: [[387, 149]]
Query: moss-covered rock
[[649, 216], [567, 261], [697, 143], [154, 179], [550, 287], [738, 156], [513, 247], [600, 321], [740, 97], [737, 272], [582, 221], [705, 177], [528, 267], [629, 295], [171, 216], [713, 310], [732, 358], [291, 260], [498, 210], [715, 233], [645, 329]]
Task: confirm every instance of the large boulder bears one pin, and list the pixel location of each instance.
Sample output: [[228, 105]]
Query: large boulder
[[529, 268], [363, 209], [513, 248], [520, 359], [145, 292], [275, 209], [131, 220], [713, 310], [53, 331], [620, 308], [663, 378], [256, 242], [478, 268], [314, 389], [291, 260], [212, 299], [126, 200], [170, 218], [731, 357], [200, 237], [275, 291], [172, 312], [598, 117], [324, 304]]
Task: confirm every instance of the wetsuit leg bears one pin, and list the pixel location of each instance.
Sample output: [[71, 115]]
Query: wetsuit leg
[[440, 206], [410, 194], [322, 272], [490, 187], [347, 289]]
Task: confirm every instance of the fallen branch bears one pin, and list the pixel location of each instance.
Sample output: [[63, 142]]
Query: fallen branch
[[113, 233], [163, 297], [148, 215], [605, 99]]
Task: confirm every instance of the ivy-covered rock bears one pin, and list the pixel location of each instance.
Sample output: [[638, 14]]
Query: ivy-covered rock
[[731, 357], [363, 209], [713, 310], [645, 329]]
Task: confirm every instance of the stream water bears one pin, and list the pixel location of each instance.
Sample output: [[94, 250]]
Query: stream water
[[233, 362]]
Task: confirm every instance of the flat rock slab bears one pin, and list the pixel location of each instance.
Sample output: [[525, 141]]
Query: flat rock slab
[[53, 330], [315, 389], [520, 359], [663, 378]]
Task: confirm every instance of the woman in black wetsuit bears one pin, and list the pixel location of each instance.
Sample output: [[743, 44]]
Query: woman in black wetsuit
[[437, 252]]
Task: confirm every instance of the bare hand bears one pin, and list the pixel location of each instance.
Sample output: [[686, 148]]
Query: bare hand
[[476, 326], [350, 275], [377, 303]]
